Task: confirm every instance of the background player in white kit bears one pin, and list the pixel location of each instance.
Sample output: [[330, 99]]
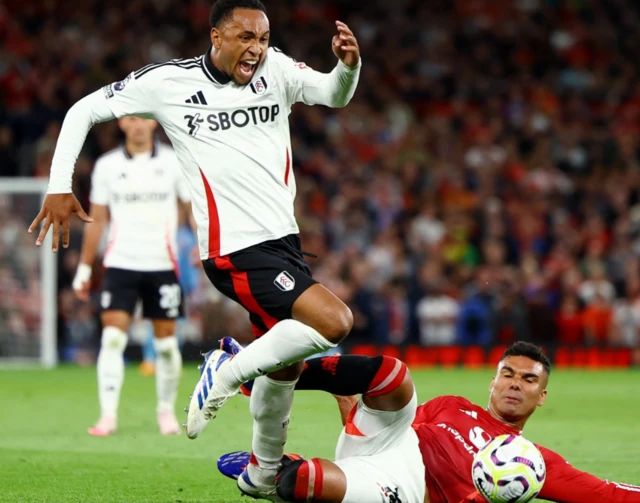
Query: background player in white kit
[[226, 113], [136, 189]]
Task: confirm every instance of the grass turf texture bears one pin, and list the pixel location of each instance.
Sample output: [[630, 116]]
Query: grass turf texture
[[46, 454]]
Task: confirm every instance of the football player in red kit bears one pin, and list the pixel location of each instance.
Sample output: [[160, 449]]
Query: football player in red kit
[[450, 430]]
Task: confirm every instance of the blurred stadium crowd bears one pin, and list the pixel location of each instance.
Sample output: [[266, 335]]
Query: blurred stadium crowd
[[483, 185]]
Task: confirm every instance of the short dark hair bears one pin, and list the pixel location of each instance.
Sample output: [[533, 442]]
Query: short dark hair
[[222, 10], [529, 350]]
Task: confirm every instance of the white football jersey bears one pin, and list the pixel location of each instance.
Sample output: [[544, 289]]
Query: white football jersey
[[142, 193], [232, 141]]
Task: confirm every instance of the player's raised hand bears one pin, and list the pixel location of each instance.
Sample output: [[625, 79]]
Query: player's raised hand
[[57, 209], [345, 45]]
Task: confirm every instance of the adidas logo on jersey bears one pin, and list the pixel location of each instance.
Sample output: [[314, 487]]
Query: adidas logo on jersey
[[471, 413], [197, 99]]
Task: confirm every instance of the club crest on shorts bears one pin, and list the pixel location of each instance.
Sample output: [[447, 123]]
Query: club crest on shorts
[[285, 282], [105, 300]]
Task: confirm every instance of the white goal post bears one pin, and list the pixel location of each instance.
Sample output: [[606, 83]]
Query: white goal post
[[28, 279]]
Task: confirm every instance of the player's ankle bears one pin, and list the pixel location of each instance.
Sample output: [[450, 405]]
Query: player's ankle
[[262, 476], [165, 407], [228, 379], [110, 419]]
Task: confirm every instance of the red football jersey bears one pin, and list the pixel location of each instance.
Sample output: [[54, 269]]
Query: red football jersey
[[451, 430]]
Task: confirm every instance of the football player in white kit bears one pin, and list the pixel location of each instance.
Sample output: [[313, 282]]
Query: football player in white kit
[[226, 113], [136, 190]]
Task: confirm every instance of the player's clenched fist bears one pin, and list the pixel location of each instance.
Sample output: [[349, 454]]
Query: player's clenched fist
[[57, 209], [345, 45]]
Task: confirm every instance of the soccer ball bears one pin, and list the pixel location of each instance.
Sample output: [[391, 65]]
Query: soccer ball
[[508, 469]]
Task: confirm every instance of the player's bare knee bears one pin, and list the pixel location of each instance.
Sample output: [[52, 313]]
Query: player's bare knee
[[339, 324], [117, 319], [406, 389], [318, 308], [164, 328], [311, 480]]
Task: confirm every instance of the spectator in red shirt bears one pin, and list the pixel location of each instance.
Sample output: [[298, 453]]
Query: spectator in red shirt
[[597, 320], [569, 321]]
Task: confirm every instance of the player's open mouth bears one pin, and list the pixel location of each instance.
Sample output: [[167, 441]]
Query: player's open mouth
[[247, 68]]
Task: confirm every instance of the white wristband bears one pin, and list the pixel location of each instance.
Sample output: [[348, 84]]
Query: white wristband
[[83, 274]]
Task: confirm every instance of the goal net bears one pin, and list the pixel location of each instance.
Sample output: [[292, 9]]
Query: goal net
[[27, 278]]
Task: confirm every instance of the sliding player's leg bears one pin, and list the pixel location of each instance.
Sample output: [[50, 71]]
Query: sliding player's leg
[[377, 449], [377, 458]]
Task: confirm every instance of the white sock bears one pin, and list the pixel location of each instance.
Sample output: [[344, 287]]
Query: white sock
[[270, 407], [168, 371], [288, 342], [111, 370]]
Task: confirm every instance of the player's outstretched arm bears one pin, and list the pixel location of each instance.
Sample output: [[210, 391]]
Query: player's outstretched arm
[[334, 89], [60, 203], [566, 484], [127, 97]]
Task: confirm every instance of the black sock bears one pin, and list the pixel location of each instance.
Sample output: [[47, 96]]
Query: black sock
[[340, 375]]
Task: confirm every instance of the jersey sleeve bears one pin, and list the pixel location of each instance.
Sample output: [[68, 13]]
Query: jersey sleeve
[[99, 185], [303, 84], [428, 411], [566, 484], [130, 96], [133, 95]]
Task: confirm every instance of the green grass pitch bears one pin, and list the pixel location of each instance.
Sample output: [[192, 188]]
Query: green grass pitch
[[47, 456]]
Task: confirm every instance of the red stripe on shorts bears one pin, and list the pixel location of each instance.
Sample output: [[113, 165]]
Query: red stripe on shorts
[[242, 289], [257, 331]]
